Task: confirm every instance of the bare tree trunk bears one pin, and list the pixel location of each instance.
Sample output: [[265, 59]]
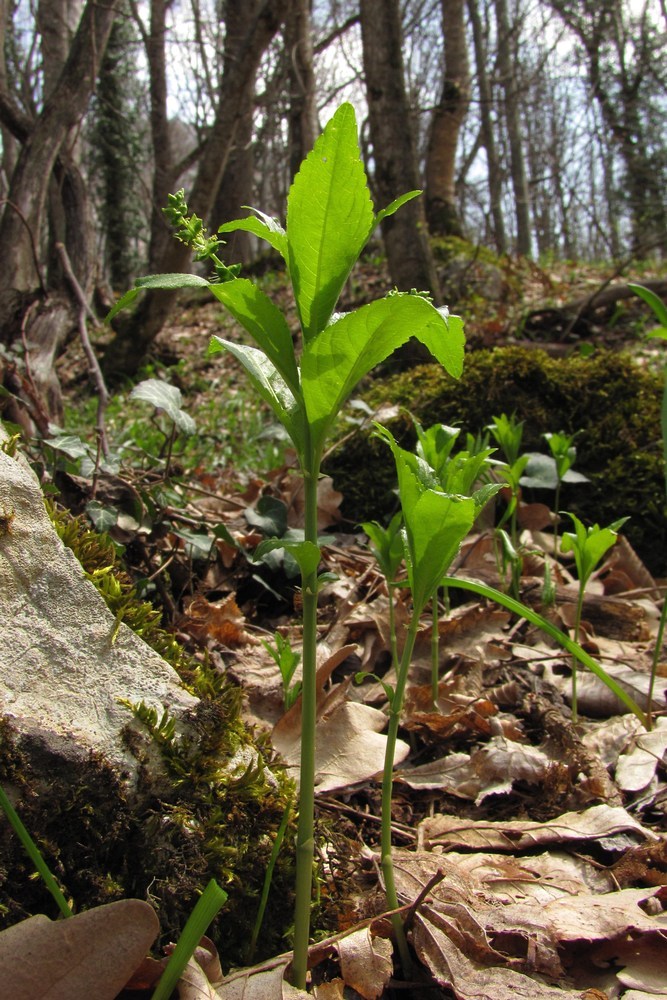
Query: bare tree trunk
[[508, 68], [441, 208], [45, 317], [242, 57], [405, 237], [302, 118], [488, 130]]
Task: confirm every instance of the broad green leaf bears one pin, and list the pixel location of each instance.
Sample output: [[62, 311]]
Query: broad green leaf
[[165, 397], [653, 300], [263, 226], [270, 516], [329, 219], [265, 323], [271, 386], [155, 281], [69, 444], [172, 281], [306, 554], [394, 206], [436, 527], [334, 361], [541, 473], [436, 523], [523, 611]]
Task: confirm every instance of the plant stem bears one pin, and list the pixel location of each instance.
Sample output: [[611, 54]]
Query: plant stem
[[393, 638], [387, 790], [435, 649], [556, 509], [656, 659], [305, 839], [577, 624], [34, 853]]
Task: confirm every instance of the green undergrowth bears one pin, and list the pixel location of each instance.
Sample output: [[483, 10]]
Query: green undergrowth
[[608, 397], [212, 810]]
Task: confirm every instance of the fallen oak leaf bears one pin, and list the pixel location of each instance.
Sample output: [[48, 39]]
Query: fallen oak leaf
[[92, 954]]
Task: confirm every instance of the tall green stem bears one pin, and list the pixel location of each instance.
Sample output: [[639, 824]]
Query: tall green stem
[[387, 789], [435, 649], [577, 625], [305, 839], [656, 659]]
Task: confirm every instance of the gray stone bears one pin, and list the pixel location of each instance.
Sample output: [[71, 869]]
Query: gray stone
[[63, 667]]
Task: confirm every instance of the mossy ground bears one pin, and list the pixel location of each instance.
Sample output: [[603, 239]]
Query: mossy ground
[[167, 839], [608, 397]]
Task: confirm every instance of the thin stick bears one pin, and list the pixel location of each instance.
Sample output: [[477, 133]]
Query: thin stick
[[93, 364]]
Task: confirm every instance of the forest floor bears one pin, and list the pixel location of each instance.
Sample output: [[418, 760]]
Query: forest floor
[[530, 850]]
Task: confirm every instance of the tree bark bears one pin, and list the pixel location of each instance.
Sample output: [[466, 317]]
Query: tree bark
[[441, 209], [405, 237], [44, 317], [507, 64], [242, 57], [488, 130], [302, 116]]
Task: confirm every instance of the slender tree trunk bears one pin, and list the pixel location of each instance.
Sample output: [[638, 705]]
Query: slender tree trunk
[[302, 116], [508, 68], [441, 207], [242, 58], [405, 236], [488, 129], [43, 316]]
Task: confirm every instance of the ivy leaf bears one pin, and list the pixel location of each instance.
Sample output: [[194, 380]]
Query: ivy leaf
[[265, 323], [334, 361], [329, 219], [165, 397]]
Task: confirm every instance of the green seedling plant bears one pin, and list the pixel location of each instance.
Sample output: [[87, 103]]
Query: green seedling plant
[[435, 525], [387, 548], [330, 218], [287, 660], [551, 471], [457, 475], [660, 311], [589, 546]]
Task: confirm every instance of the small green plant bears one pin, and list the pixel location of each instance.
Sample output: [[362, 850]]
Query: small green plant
[[551, 471], [387, 547], [34, 853], [589, 546], [167, 400], [435, 524], [330, 218], [287, 660], [210, 902]]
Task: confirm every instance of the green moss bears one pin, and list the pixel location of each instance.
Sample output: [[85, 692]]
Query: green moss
[[614, 402], [214, 815]]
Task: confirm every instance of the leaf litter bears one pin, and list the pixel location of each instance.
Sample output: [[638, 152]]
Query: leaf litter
[[538, 858]]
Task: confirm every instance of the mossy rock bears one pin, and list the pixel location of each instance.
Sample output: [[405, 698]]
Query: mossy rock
[[608, 397], [211, 810]]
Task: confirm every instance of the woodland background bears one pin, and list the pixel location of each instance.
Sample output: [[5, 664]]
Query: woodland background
[[535, 127]]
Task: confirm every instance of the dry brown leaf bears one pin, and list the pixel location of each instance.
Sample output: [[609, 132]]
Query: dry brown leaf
[[489, 770], [365, 962], [590, 824], [482, 945], [260, 984], [222, 621], [636, 768], [335, 990], [350, 747], [91, 954]]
